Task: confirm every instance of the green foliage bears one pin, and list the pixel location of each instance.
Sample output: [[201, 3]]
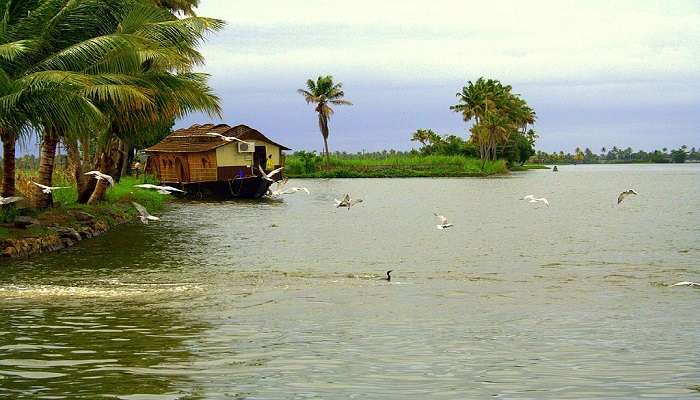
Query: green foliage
[[410, 164], [679, 156], [8, 213], [617, 155], [302, 162]]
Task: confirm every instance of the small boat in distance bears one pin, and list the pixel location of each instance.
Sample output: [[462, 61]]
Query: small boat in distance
[[555, 169], [203, 163]]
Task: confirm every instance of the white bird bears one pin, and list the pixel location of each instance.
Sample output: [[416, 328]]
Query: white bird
[[100, 176], [687, 283], [347, 202], [443, 221], [143, 213], [269, 176], [226, 138], [625, 194], [543, 200], [48, 189], [528, 197], [9, 200], [160, 189]]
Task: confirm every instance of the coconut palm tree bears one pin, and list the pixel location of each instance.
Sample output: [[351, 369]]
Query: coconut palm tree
[[422, 136], [323, 92]]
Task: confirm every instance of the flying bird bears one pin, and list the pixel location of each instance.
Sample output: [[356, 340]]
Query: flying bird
[[687, 283], [528, 197], [160, 189], [144, 216], [443, 222], [540, 200], [268, 177], [48, 189], [226, 138], [100, 176], [625, 194], [347, 202], [9, 200]]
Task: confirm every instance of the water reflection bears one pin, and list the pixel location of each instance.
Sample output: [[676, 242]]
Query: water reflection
[[80, 349]]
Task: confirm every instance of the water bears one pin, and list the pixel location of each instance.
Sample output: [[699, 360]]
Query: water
[[282, 299]]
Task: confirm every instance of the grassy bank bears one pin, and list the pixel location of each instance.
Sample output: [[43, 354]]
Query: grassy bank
[[67, 212], [392, 166]]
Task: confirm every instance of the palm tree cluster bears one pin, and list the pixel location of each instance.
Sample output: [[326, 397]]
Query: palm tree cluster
[[100, 76], [499, 115]]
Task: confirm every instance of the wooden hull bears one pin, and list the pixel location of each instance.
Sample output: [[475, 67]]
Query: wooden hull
[[252, 187]]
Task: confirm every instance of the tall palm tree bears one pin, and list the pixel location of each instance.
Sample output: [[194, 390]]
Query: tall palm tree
[[323, 92]]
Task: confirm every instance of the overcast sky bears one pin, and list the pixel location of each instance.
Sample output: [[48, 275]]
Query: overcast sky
[[598, 73]]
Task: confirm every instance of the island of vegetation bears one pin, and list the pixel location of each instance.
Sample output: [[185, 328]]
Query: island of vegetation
[[500, 138]]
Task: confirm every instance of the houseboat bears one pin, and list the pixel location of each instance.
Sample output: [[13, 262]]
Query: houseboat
[[206, 164]]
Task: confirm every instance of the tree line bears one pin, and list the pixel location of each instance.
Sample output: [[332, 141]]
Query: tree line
[[101, 77], [619, 155]]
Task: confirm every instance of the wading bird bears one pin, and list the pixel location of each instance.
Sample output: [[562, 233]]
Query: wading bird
[[347, 202], [625, 194], [268, 177], [144, 216], [48, 189], [9, 200], [443, 221], [100, 176], [687, 283], [160, 189]]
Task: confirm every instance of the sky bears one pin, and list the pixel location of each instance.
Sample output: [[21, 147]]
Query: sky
[[598, 73]]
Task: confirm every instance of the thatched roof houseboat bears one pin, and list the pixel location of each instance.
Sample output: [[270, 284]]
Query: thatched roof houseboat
[[208, 165]]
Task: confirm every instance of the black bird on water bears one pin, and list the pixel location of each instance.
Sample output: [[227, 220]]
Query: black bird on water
[[388, 275]]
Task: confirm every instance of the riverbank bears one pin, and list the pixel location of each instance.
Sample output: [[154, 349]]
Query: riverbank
[[25, 231], [308, 165]]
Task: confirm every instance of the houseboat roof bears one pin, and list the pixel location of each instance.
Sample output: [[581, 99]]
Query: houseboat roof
[[195, 139]]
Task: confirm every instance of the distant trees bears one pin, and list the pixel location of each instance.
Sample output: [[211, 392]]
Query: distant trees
[[500, 117], [324, 92], [616, 155]]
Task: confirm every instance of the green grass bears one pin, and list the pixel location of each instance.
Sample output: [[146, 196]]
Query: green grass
[[114, 208], [391, 166]]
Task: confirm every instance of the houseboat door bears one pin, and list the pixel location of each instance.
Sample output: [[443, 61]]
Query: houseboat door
[[260, 157]]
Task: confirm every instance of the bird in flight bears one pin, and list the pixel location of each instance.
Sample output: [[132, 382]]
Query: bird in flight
[[48, 189], [347, 202], [268, 176], [687, 283], [144, 216], [226, 138], [443, 221], [160, 189], [100, 176], [625, 194], [532, 199], [9, 200]]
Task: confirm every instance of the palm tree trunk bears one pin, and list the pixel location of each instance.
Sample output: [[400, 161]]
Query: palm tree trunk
[[101, 185], [85, 184], [46, 163], [9, 141]]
